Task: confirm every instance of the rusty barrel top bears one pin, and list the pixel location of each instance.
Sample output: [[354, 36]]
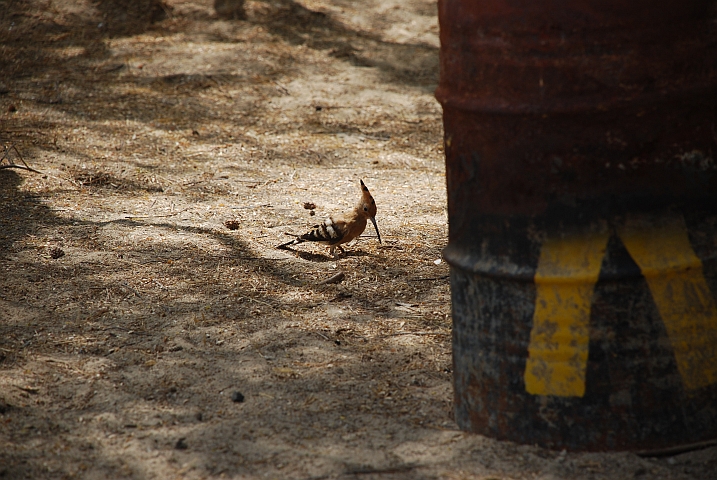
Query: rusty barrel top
[[580, 139], [559, 102]]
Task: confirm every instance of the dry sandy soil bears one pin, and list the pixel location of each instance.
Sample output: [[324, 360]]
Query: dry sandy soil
[[132, 320]]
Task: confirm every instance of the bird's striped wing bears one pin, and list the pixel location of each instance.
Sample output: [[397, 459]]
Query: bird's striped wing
[[330, 231]]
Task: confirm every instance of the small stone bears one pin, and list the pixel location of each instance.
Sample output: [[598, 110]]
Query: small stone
[[232, 224], [56, 252], [237, 397], [309, 205]]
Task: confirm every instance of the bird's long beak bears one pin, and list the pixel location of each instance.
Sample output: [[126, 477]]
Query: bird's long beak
[[373, 220]]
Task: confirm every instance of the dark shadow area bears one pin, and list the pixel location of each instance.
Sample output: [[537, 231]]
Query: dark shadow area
[[57, 60], [58, 57], [30, 30], [408, 64], [230, 9], [309, 256], [104, 180], [141, 339], [316, 257], [81, 317], [19, 212], [33, 31], [129, 17]]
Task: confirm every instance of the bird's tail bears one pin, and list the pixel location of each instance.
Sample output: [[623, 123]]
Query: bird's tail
[[295, 241]]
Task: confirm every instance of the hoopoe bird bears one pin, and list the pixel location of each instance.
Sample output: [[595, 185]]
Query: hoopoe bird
[[340, 229]]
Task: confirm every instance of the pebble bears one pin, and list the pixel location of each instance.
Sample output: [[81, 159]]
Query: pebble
[[232, 224]]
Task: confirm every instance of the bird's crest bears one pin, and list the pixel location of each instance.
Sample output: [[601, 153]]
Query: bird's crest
[[367, 204], [367, 207]]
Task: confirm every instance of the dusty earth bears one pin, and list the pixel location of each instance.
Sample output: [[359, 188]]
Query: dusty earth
[[142, 338]]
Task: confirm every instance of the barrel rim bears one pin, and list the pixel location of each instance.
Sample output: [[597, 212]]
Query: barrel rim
[[581, 105]]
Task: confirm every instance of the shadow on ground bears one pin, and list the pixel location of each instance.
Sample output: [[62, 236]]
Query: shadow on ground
[[83, 334], [122, 339]]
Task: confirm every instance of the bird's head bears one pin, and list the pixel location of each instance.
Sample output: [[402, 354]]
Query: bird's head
[[368, 207]]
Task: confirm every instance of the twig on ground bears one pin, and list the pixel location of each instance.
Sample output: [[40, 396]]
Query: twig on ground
[[411, 333], [132, 217], [332, 279], [442, 277], [11, 164], [321, 335]]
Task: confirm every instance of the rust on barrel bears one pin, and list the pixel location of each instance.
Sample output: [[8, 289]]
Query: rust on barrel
[[582, 197]]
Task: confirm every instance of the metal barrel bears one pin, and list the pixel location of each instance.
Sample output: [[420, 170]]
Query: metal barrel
[[580, 141]]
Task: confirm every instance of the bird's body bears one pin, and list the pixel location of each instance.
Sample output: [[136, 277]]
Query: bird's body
[[339, 229]]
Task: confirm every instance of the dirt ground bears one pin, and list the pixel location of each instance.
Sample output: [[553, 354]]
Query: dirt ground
[[142, 338]]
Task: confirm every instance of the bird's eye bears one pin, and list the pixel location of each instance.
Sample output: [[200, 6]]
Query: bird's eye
[[365, 209]]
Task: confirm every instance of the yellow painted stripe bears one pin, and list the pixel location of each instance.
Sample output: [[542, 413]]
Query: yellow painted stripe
[[568, 269], [677, 283]]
